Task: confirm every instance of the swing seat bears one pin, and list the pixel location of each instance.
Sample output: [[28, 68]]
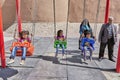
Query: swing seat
[[30, 48], [58, 42]]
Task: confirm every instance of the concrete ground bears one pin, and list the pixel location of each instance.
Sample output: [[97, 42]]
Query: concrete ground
[[43, 66]]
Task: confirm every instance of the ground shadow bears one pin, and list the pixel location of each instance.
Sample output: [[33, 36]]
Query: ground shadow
[[75, 59], [73, 51], [112, 69], [51, 58], [7, 72], [56, 61]]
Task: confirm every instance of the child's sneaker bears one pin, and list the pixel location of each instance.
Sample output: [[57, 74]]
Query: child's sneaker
[[63, 56], [11, 61], [90, 58], [22, 62], [84, 58]]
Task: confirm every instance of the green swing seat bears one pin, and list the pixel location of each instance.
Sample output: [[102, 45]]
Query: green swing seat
[[58, 42]]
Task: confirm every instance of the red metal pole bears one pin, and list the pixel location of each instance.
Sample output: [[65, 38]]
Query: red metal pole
[[18, 15], [2, 52], [107, 11], [118, 60]]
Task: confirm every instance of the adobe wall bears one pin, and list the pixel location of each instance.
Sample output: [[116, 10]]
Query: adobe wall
[[8, 13]]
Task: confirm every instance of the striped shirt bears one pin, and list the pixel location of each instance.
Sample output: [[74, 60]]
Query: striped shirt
[[59, 37], [110, 31], [25, 40]]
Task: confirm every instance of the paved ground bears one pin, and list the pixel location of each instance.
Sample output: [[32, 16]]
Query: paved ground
[[43, 66]]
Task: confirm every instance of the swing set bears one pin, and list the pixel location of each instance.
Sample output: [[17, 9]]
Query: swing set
[[58, 42], [28, 45]]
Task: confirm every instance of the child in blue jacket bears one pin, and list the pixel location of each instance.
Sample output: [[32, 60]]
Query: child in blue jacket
[[87, 44]]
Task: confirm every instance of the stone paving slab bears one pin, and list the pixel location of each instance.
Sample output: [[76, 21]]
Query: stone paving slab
[[72, 69], [22, 74], [7, 73], [30, 63], [78, 69], [84, 74], [46, 78], [7, 39], [43, 66], [106, 64], [48, 69]]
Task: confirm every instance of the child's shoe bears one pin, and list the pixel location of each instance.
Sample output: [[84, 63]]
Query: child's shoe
[[85, 59], [11, 61], [63, 56], [90, 58], [22, 62]]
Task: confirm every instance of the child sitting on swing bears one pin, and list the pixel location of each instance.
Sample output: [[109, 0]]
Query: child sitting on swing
[[87, 44], [23, 37], [60, 37]]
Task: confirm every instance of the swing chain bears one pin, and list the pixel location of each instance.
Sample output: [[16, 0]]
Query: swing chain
[[54, 12], [67, 18], [34, 19], [84, 9], [97, 14]]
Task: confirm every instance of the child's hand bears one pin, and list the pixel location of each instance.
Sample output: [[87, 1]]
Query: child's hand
[[55, 37], [61, 39], [94, 38], [65, 38], [83, 35], [17, 38], [31, 34], [87, 44]]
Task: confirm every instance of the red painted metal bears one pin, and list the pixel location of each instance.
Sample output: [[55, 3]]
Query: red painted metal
[[2, 52], [18, 15], [107, 11], [118, 60]]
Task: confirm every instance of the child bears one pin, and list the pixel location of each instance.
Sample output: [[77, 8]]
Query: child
[[60, 37], [87, 44], [84, 26], [23, 37]]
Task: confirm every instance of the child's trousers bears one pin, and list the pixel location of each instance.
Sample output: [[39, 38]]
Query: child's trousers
[[57, 48], [85, 49], [24, 50]]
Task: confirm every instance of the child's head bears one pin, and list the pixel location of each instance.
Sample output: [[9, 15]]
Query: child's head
[[27, 32], [24, 34], [60, 33], [87, 34]]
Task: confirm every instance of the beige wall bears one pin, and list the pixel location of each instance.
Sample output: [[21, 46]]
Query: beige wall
[[2, 2], [77, 6], [9, 13], [44, 10], [76, 10]]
